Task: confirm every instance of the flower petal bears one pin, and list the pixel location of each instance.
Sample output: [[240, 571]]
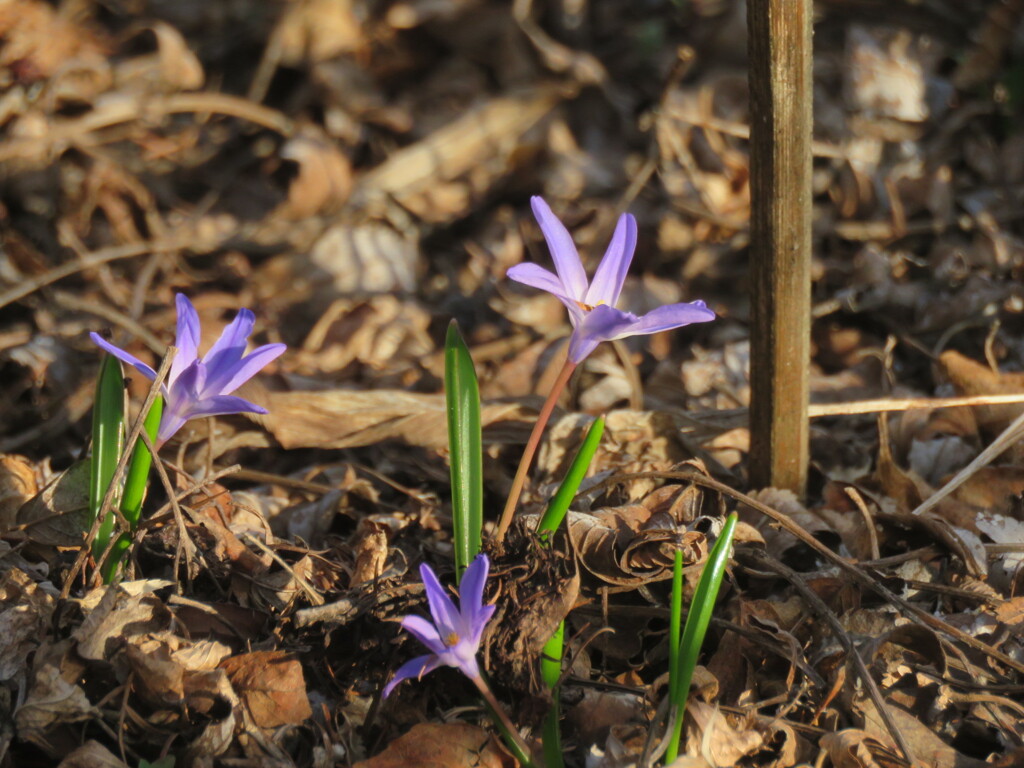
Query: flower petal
[[602, 323], [229, 348], [668, 317], [483, 616], [538, 277], [170, 423], [187, 339], [247, 367], [611, 272], [425, 632], [563, 251], [446, 618], [222, 405], [471, 594], [123, 356], [463, 658], [181, 399], [416, 668]]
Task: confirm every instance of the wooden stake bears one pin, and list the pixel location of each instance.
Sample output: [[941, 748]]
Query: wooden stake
[[779, 34]]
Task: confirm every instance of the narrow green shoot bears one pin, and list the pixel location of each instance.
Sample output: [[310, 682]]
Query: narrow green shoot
[[134, 491], [559, 505], [696, 627], [107, 444], [465, 445], [551, 673], [138, 470], [551, 656]]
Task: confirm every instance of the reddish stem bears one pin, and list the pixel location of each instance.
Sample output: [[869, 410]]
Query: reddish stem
[[530, 450]]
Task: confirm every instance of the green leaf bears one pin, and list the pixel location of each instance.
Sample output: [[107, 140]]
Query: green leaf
[[134, 491], [551, 656], [559, 506], [462, 396], [697, 621], [138, 469], [551, 673], [107, 443]]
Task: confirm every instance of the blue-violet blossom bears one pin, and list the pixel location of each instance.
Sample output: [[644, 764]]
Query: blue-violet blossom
[[592, 306], [454, 636], [201, 387]]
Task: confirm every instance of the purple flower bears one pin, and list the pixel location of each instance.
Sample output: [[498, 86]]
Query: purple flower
[[454, 637], [592, 306], [197, 387]]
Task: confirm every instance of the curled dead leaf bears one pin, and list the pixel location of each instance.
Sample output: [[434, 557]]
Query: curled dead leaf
[[636, 544]]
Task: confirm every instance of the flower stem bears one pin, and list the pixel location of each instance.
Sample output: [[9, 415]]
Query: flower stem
[[531, 449], [506, 724]]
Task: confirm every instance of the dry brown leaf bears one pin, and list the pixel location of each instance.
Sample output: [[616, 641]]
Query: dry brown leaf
[[636, 544], [886, 72], [92, 754], [441, 745], [173, 67], [970, 378], [993, 488], [949, 517], [51, 701], [117, 617], [349, 418], [371, 549], [849, 749], [593, 717], [25, 613], [1011, 613], [324, 180], [377, 331], [709, 733], [365, 258], [1005, 569], [311, 31], [158, 678], [57, 515], [479, 146], [272, 687], [39, 42], [17, 485], [207, 693], [779, 541], [926, 746], [203, 655]]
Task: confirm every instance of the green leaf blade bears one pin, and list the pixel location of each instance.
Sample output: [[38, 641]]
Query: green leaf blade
[[697, 620], [559, 505], [138, 468], [465, 443], [107, 443]]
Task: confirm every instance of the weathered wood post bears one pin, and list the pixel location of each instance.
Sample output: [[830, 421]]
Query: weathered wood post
[[780, 239]]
